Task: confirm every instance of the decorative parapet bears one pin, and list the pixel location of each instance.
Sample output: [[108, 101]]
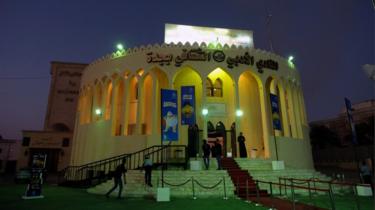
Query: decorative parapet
[[142, 48]]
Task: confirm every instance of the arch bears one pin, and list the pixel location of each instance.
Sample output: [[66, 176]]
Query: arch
[[117, 106], [290, 109], [251, 120], [161, 82], [98, 100], [146, 104], [108, 100], [132, 105], [225, 104], [272, 87], [210, 127], [187, 76]]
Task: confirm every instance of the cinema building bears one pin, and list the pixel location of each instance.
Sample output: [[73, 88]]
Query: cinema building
[[231, 90]]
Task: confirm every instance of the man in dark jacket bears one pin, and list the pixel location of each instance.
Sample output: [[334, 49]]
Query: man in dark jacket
[[218, 153], [241, 144], [206, 154], [120, 170]]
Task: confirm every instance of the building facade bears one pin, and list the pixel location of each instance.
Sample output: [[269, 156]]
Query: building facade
[[9, 149], [55, 140], [119, 107]]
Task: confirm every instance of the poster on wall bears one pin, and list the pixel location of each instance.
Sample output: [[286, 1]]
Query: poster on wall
[[169, 115], [276, 119], [34, 188], [187, 105]]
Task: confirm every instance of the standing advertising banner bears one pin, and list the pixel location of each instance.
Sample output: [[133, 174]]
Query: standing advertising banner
[[169, 115], [275, 112], [187, 105], [34, 188]]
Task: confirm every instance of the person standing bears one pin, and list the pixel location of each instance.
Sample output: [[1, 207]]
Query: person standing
[[218, 153], [366, 174], [241, 144], [119, 172], [206, 154], [147, 165]]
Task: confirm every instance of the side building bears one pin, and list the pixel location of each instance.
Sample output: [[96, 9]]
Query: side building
[[55, 138]]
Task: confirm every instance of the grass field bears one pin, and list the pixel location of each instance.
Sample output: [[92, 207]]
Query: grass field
[[62, 198]]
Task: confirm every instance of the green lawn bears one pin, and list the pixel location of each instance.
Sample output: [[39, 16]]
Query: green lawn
[[341, 202], [61, 198]]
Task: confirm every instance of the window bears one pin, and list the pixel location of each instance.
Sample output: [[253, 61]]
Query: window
[[218, 88], [65, 142], [214, 90], [26, 141], [209, 87]]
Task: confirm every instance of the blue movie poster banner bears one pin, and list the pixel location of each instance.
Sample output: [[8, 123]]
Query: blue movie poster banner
[[187, 105], [275, 112], [169, 115]]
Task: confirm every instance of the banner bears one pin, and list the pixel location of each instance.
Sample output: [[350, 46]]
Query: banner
[[34, 188], [275, 112], [187, 105], [349, 110], [169, 115]]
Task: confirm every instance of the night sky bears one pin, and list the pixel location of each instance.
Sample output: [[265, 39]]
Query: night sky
[[330, 40]]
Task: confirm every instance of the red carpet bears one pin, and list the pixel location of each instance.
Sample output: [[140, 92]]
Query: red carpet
[[246, 189]]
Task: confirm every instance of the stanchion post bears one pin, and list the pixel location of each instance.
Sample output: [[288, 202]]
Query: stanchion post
[[331, 198], [272, 206], [238, 186], [257, 190], [308, 185], [293, 199], [280, 186], [225, 189], [192, 183], [286, 192], [356, 197], [247, 189]]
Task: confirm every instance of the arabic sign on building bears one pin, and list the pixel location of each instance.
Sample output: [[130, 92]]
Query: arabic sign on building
[[185, 33], [207, 56]]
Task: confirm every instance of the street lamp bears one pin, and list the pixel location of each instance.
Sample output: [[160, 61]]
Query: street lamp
[[120, 47], [204, 112], [98, 111], [239, 113]]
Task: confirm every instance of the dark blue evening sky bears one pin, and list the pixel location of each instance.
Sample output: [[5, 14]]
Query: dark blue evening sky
[[330, 39]]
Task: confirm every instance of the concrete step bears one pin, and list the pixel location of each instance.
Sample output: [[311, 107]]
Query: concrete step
[[135, 186]]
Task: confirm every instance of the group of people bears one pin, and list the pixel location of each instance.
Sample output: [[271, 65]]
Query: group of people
[[216, 151], [120, 172]]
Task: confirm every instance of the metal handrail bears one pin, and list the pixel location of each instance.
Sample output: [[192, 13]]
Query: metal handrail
[[106, 166]]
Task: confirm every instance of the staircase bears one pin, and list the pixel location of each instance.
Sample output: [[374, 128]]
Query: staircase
[[247, 189], [96, 172], [179, 182], [245, 186]]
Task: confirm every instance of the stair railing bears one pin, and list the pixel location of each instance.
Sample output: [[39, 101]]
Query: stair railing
[[103, 169]]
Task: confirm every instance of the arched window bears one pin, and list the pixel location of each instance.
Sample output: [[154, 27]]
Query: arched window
[[218, 88], [209, 87]]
